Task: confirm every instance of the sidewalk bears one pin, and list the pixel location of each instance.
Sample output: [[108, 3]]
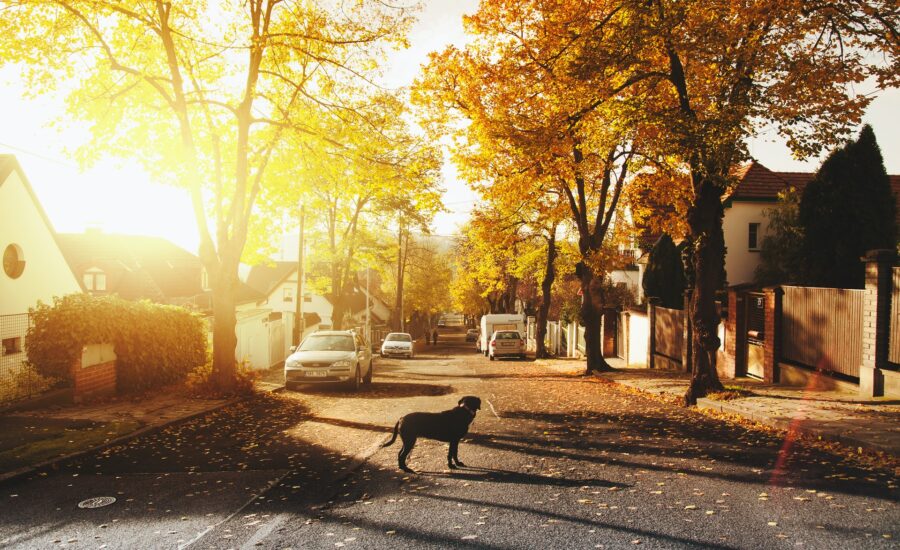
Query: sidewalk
[[30, 440], [839, 416]]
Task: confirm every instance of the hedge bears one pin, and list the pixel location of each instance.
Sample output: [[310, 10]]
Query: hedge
[[155, 344]]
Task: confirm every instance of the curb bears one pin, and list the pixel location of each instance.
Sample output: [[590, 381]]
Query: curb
[[786, 424], [27, 470]]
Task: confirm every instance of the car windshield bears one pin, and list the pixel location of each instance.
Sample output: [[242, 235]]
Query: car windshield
[[508, 336], [328, 342], [398, 338]]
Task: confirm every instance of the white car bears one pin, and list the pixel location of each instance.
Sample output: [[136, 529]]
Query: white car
[[398, 344], [330, 356], [506, 343]]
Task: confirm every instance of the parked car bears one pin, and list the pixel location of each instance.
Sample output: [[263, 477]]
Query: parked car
[[472, 335], [398, 344], [506, 343], [330, 356]]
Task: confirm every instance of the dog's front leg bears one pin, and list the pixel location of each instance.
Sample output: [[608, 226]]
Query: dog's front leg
[[452, 455]]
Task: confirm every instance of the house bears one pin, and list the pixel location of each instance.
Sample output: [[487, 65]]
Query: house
[[745, 224], [34, 267], [277, 282]]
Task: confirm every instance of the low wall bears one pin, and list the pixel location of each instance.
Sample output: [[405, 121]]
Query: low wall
[[94, 373]]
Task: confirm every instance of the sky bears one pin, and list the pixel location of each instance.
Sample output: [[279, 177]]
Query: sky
[[118, 197]]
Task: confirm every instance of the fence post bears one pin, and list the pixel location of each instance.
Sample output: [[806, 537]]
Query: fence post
[[772, 333], [652, 302], [625, 317], [876, 321], [687, 336], [729, 368]]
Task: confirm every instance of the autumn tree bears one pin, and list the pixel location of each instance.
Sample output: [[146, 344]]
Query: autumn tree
[[363, 170], [203, 95], [535, 116], [725, 69]]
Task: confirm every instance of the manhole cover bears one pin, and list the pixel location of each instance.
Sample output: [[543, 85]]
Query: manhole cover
[[96, 502]]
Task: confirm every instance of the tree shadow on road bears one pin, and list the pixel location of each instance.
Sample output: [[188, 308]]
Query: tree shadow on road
[[377, 390], [507, 476]]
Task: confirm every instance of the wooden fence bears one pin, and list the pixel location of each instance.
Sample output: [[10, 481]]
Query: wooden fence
[[669, 332], [894, 342], [822, 328]]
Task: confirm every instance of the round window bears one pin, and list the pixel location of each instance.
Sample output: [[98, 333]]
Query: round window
[[13, 261]]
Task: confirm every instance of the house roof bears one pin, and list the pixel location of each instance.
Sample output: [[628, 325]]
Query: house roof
[[758, 183], [267, 277], [136, 266], [10, 164]]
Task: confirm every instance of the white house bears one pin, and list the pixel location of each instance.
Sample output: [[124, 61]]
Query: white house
[[34, 268], [745, 224]]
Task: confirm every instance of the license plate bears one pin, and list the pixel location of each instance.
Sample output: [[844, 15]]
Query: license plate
[[317, 373]]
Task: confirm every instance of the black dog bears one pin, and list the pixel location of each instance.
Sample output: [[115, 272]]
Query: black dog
[[449, 426]]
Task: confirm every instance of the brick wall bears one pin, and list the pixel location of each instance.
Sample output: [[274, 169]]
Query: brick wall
[[95, 381], [772, 334]]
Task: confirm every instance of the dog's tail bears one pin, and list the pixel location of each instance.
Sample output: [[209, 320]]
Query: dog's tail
[[393, 437]]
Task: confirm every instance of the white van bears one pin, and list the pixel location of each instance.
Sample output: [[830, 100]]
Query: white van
[[498, 321]]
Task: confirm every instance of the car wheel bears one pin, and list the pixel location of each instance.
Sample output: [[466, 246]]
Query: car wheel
[[368, 377], [290, 387], [354, 383]]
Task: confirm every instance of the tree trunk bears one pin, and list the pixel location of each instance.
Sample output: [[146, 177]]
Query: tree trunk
[[224, 336], [705, 223], [544, 309], [398, 300], [591, 316]]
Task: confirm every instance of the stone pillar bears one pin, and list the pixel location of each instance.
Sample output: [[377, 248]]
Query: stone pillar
[[772, 333], [652, 302], [730, 365], [876, 321], [687, 335]]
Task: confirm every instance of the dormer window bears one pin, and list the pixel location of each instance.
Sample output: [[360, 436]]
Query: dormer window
[[94, 279]]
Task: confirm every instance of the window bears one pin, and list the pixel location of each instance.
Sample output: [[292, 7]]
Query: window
[[12, 346], [94, 279], [307, 298], [288, 294], [204, 279], [13, 261], [753, 237]]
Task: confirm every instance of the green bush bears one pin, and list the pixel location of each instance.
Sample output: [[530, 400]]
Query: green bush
[[155, 344]]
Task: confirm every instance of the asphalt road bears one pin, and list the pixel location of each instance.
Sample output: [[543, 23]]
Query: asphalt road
[[554, 460]]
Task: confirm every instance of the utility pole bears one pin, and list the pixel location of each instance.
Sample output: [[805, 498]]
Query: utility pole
[[368, 307], [299, 323]]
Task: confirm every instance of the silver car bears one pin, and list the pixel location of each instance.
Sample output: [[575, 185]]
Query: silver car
[[506, 343], [330, 356], [398, 344]]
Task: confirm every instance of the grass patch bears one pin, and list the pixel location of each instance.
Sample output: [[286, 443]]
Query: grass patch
[[36, 440], [730, 393]]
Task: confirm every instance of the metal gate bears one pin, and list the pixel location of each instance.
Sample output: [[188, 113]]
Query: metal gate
[[755, 321]]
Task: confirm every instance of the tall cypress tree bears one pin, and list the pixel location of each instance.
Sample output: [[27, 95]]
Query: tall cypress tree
[[847, 209], [664, 278]]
